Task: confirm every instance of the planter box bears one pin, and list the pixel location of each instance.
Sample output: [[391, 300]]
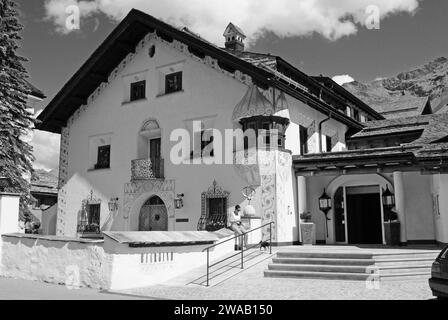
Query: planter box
[[308, 230], [392, 233]]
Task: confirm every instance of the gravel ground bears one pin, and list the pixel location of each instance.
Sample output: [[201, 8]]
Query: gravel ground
[[252, 285]]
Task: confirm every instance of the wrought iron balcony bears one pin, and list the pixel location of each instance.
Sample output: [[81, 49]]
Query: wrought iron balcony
[[146, 169]]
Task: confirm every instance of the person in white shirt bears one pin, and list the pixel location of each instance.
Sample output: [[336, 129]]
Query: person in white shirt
[[234, 223]]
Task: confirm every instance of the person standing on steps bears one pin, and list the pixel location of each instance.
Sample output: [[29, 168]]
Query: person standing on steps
[[235, 224]]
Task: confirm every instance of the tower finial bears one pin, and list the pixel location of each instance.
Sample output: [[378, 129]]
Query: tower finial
[[234, 37]]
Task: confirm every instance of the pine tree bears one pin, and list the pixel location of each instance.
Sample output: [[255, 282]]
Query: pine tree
[[16, 155]]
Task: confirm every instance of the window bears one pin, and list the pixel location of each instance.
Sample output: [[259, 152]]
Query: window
[[103, 161], [303, 132], [90, 219], [173, 82], [205, 142], [269, 124], [356, 115], [93, 215], [328, 145], [138, 90]]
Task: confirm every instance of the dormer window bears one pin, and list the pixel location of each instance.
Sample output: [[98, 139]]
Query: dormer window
[[173, 82], [138, 90]]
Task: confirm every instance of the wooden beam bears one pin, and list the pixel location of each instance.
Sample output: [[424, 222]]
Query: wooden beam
[[126, 46], [79, 100], [58, 123], [363, 170], [98, 77]]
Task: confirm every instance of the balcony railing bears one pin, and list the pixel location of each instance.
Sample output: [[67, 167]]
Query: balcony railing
[[145, 169]]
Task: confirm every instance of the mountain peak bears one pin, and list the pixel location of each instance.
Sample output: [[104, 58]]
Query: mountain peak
[[428, 80]]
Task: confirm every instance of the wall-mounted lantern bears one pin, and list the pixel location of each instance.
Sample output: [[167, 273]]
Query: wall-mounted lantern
[[325, 205], [388, 198], [113, 204], [179, 201]]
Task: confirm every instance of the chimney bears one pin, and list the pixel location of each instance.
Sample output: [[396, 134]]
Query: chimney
[[234, 38]]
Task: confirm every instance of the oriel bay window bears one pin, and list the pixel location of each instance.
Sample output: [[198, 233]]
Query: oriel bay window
[[266, 128]]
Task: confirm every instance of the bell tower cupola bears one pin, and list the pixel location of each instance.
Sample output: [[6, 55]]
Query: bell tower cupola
[[234, 38]]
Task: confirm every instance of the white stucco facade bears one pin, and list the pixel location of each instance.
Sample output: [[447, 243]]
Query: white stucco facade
[[209, 95]]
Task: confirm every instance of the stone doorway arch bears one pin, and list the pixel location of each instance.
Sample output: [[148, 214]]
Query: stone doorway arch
[[153, 215]]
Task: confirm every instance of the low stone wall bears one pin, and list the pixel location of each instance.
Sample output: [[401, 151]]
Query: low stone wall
[[101, 264], [56, 260]]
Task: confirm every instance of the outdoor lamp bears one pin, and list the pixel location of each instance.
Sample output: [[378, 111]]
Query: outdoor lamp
[[325, 203], [113, 204], [179, 201], [388, 198], [325, 206]]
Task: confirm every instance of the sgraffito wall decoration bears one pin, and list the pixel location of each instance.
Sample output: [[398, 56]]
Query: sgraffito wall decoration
[[63, 178]]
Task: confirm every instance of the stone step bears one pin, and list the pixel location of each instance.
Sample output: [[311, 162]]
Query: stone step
[[359, 276], [405, 262], [324, 255], [325, 261], [315, 275], [351, 269], [318, 268], [357, 255], [415, 255], [392, 270]]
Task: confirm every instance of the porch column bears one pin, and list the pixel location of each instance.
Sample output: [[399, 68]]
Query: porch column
[[400, 204], [302, 198]]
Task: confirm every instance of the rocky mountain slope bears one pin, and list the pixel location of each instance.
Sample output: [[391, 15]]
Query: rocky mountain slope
[[403, 90]]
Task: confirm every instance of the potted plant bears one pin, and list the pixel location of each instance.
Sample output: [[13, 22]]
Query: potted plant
[[307, 229], [392, 228]]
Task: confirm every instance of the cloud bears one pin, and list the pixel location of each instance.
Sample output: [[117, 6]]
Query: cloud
[[46, 149], [341, 79], [286, 18]]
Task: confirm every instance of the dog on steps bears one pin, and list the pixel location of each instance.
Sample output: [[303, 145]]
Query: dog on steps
[[264, 245]]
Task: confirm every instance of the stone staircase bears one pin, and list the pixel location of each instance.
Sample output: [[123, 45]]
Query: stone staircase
[[361, 265], [231, 267]]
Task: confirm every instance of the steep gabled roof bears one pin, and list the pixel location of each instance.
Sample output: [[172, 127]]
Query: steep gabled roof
[[237, 29], [34, 91], [124, 39], [44, 182]]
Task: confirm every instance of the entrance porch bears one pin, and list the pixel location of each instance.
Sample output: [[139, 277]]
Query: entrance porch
[[355, 182]]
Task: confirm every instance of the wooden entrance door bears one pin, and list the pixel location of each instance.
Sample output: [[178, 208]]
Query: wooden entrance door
[[154, 148], [364, 218], [153, 216]]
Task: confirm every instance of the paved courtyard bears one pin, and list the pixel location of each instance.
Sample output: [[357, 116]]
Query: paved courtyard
[[251, 284], [248, 285], [13, 289]]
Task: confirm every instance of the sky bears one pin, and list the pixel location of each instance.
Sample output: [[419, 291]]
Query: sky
[[333, 38]]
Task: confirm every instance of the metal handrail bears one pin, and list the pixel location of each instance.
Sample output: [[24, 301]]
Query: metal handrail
[[242, 248]]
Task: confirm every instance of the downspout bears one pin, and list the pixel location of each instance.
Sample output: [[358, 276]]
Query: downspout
[[319, 130]]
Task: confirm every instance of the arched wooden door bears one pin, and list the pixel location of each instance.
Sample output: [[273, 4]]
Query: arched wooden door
[[153, 216]]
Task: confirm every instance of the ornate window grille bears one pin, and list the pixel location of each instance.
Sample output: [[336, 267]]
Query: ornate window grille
[[216, 199], [89, 221]]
